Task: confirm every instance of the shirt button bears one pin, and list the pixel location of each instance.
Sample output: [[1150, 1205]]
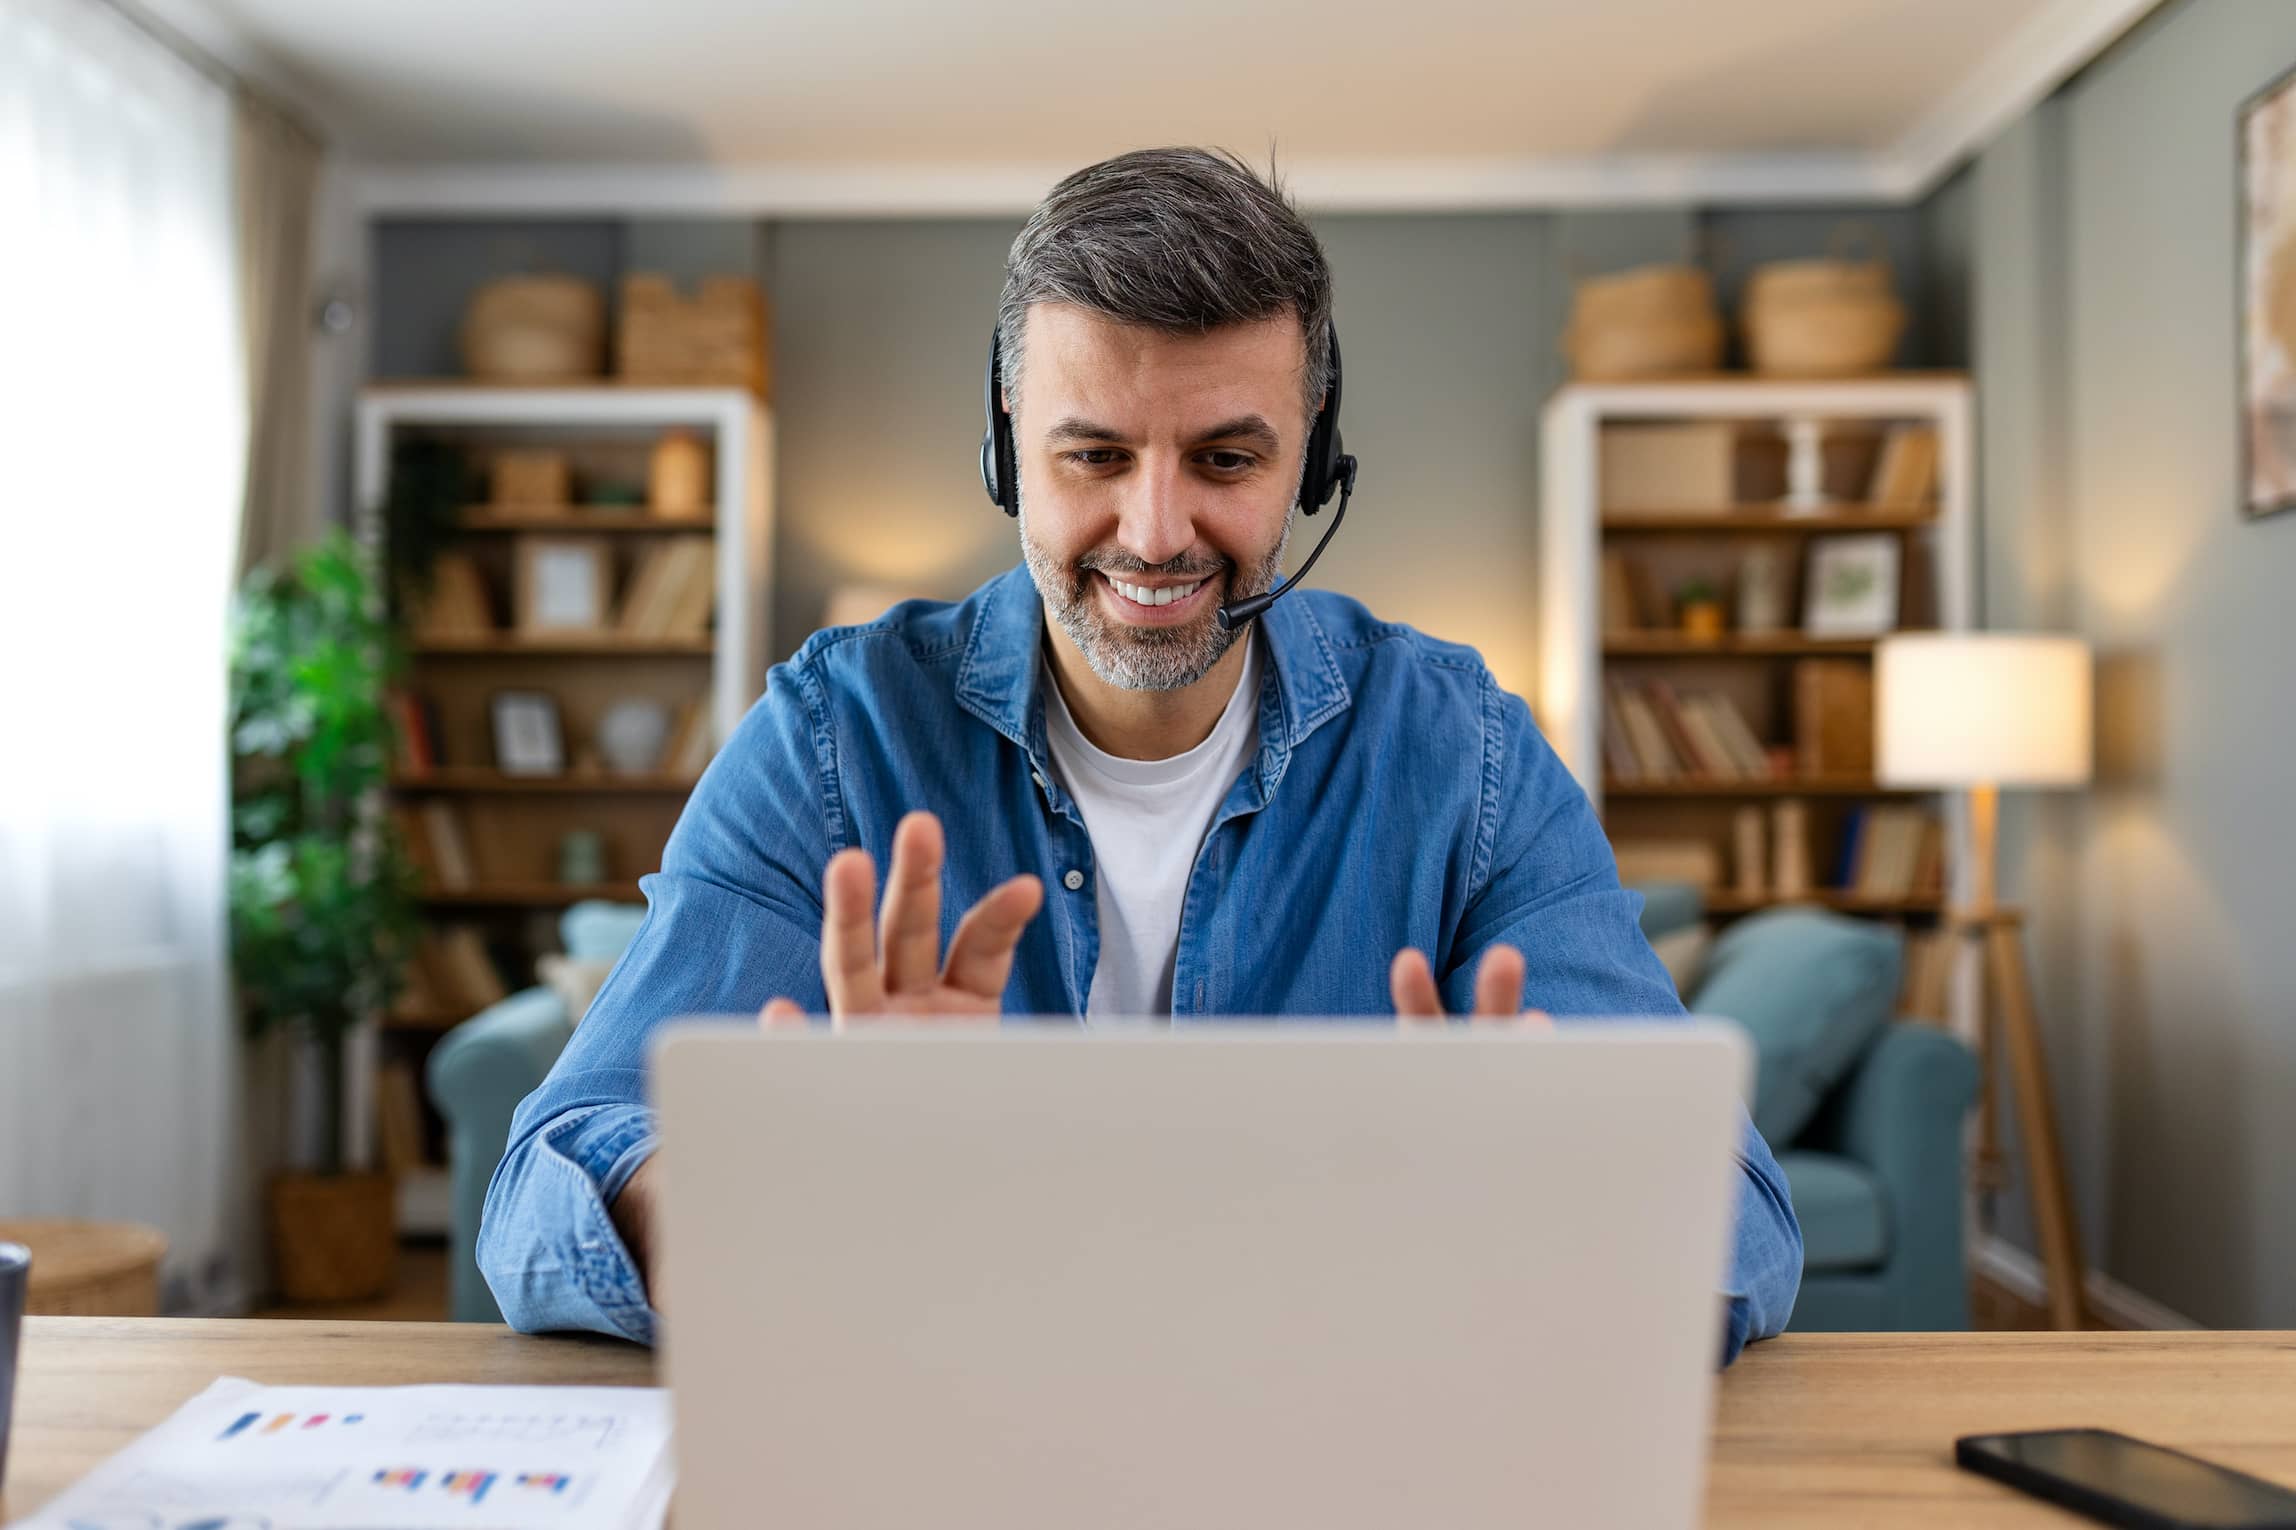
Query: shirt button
[[1037, 776], [1072, 879]]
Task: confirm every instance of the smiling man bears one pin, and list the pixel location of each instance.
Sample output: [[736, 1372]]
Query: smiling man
[[1144, 801]]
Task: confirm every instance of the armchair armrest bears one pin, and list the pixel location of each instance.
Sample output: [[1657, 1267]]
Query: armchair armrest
[[1900, 1114], [478, 1073]]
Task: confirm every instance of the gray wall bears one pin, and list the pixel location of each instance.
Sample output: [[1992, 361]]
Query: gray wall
[[2106, 353], [881, 330]]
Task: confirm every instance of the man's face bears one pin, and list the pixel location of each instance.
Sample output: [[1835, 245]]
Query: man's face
[[1157, 476]]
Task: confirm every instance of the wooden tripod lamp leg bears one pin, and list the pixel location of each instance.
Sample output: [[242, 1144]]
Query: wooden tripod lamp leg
[[2036, 1121]]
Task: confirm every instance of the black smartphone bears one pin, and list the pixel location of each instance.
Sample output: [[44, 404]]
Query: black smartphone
[[2124, 1481]]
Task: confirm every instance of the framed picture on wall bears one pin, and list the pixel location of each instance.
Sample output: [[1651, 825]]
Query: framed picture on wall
[[2267, 287]]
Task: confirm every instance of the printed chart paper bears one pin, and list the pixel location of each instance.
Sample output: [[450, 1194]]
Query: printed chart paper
[[245, 1457]]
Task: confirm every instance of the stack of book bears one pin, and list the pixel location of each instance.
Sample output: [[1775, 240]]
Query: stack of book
[[1651, 733], [673, 593], [1905, 473], [441, 850], [454, 604], [451, 973], [1890, 854]]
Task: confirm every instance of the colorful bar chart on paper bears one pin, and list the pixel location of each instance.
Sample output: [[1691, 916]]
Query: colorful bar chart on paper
[[544, 1482], [280, 1423], [406, 1477], [468, 1484]]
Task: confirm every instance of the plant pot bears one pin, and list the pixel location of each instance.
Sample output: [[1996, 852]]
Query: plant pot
[[1702, 621], [334, 1237]]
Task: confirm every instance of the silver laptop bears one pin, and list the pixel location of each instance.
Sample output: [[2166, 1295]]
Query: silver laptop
[[1197, 1278]]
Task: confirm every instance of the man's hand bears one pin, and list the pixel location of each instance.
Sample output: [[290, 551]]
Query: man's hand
[[1498, 988], [905, 975]]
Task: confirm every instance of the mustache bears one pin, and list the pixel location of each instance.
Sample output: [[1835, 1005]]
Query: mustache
[[1182, 567]]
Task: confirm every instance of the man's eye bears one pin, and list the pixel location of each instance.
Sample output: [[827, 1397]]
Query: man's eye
[[1093, 457], [1229, 462]]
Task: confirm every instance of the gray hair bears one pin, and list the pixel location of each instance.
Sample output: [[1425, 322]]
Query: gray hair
[[1181, 240]]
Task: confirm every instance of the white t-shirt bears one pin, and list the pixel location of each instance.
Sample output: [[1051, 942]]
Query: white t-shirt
[[1147, 820]]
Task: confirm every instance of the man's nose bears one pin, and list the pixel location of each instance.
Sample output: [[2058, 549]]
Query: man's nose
[[1154, 523]]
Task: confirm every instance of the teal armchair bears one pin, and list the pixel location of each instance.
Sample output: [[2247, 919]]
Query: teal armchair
[[1864, 1111]]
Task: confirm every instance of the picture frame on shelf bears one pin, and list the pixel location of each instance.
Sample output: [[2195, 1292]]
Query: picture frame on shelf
[[2265, 250], [564, 585], [1852, 586], [528, 738]]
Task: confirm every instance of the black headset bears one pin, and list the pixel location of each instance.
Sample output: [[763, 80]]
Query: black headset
[[1328, 468]]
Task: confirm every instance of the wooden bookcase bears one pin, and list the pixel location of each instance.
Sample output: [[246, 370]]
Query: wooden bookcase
[[514, 824], [1582, 658]]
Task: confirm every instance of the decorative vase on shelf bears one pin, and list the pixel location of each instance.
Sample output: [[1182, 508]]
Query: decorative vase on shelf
[[631, 735], [678, 477], [582, 857]]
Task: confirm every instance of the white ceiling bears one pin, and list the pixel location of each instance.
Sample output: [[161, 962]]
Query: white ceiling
[[893, 105]]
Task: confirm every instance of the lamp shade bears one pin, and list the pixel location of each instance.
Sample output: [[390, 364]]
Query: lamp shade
[[1981, 709]]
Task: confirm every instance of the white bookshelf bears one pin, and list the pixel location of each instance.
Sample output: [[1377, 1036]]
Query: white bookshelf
[[619, 421], [736, 422], [1571, 522]]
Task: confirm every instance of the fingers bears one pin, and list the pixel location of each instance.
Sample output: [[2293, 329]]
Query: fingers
[[912, 923], [1411, 982], [781, 1014], [849, 934], [1499, 984], [980, 953]]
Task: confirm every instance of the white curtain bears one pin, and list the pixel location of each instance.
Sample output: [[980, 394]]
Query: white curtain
[[123, 417]]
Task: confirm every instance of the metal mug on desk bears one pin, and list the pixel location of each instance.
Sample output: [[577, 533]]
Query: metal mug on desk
[[15, 1275]]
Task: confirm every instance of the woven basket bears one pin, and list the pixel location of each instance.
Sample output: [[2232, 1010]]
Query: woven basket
[[1651, 321], [90, 1269], [1823, 318], [535, 329], [715, 338], [334, 1237]]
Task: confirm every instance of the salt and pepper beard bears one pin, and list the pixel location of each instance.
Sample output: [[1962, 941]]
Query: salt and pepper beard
[[1141, 658]]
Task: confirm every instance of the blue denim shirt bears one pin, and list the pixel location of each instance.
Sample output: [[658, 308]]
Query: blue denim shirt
[[1399, 798]]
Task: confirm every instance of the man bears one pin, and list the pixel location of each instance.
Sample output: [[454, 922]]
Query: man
[[1140, 810]]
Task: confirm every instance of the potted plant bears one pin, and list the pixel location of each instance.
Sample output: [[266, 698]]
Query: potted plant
[[1700, 605], [322, 891]]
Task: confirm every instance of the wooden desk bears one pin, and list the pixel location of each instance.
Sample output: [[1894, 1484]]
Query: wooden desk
[[1814, 1429]]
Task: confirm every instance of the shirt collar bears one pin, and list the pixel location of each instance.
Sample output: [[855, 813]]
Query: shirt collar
[[997, 681]]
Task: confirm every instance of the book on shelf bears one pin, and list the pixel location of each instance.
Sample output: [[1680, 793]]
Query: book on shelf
[[1676, 727], [1887, 851], [1647, 736], [452, 971], [1737, 735], [1651, 732], [451, 863], [1694, 861], [1749, 853], [673, 592], [689, 748], [414, 733], [1620, 612], [1905, 470], [398, 1119], [1833, 717], [454, 605]]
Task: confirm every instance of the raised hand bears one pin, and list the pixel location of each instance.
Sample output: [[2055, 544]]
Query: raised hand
[[1498, 988], [905, 974]]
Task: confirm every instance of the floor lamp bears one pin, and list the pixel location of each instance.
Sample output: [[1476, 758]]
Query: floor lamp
[[1979, 711]]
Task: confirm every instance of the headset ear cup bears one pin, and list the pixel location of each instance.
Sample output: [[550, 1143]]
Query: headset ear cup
[[1000, 476]]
